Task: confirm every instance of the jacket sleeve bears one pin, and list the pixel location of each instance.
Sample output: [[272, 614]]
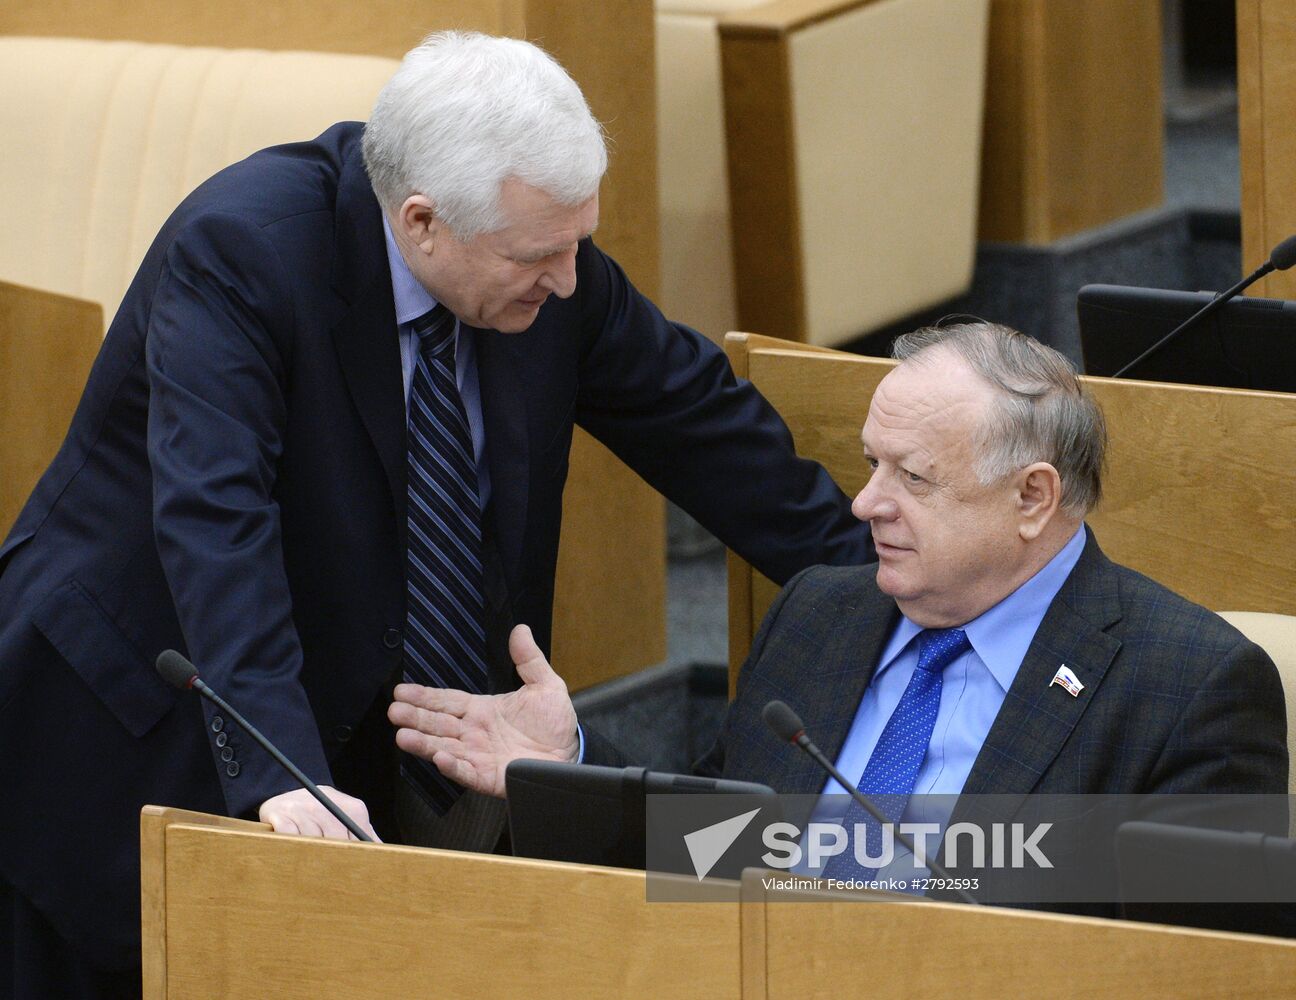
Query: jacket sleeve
[[666, 401], [218, 355], [1231, 737]]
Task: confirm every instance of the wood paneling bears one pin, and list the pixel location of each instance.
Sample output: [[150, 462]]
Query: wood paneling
[[47, 345], [751, 593], [381, 27], [991, 952], [610, 594], [762, 182], [1073, 129], [1267, 110], [1198, 492], [232, 912], [249, 914], [610, 608]]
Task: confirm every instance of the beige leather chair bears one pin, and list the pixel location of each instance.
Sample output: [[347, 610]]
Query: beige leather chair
[[1276, 635], [103, 139], [818, 161]]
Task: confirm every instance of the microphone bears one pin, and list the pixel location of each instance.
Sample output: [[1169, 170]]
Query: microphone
[[787, 726], [1282, 257], [179, 672]]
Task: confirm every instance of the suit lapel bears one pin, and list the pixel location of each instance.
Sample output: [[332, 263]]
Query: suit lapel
[[366, 337], [1037, 716], [831, 699]]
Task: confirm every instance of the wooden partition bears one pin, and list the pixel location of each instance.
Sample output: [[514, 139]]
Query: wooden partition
[[233, 911], [853, 136], [610, 599], [811, 950], [1073, 129], [1267, 108], [47, 344], [1199, 492]]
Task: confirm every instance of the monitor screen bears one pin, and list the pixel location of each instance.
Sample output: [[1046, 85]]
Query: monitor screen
[[595, 815], [1246, 344]]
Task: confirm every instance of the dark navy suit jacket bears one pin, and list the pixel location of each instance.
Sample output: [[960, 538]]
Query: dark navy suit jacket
[[1176, 700], [233, 486]]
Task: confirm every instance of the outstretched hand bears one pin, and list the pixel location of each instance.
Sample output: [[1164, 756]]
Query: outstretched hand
[[471, 738]]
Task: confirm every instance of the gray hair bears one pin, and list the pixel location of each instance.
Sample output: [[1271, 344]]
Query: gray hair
[[1041, 413], [464, 113]]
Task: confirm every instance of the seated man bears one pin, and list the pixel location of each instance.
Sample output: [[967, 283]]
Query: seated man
[[934, 672]]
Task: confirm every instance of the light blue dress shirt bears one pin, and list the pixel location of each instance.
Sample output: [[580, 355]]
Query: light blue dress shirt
[[974, 685], [412, 301], [972, 692]]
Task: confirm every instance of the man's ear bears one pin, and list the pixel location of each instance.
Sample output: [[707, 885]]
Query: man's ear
[[418, 222], [1039, 496]]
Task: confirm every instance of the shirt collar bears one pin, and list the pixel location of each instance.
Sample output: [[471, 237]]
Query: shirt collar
[[412, 299], [1001, 636]]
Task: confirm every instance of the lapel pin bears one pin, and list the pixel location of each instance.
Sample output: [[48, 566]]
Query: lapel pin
[[1069, 681]]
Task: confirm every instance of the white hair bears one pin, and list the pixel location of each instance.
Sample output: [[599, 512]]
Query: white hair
[[466, 112]]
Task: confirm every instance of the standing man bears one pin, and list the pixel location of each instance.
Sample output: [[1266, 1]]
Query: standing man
[[322, 451]]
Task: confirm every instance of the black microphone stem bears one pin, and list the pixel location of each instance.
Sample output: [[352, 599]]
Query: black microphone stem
[[197, 684], [805, 743]]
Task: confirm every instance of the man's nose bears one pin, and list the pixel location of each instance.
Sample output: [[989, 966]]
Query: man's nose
[[871, 502], [560, 276]]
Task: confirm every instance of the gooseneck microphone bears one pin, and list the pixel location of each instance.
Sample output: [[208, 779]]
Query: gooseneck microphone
[[1283, 257], [179, 672], [787, 726]]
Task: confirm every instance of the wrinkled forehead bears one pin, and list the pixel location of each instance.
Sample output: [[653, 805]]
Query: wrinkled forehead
[[932, 403]]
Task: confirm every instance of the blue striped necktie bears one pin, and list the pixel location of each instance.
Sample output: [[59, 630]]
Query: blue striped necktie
[[445, 640], [892, 768]]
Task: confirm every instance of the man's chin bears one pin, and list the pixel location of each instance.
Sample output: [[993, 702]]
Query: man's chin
[[892, 583], [518, 319]]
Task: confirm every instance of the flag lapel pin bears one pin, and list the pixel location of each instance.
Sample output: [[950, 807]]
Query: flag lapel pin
[[1067, 679]]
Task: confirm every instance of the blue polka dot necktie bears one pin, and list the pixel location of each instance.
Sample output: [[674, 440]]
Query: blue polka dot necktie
[[893, 767], [445, 641]]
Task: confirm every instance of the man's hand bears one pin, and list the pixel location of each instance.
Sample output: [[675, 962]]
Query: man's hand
[[472, 737], [298, 812]]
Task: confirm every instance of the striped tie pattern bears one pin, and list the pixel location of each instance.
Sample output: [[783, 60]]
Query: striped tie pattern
[[892, 768], [445, 641]]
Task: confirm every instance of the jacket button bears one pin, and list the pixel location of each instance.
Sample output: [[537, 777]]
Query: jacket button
[[221, 739], [392, 638], [227, 754], [342, 734], [217, 724], [232, 769]]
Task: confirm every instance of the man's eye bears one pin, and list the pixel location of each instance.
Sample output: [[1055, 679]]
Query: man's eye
[[871, 463], [912, 477]]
